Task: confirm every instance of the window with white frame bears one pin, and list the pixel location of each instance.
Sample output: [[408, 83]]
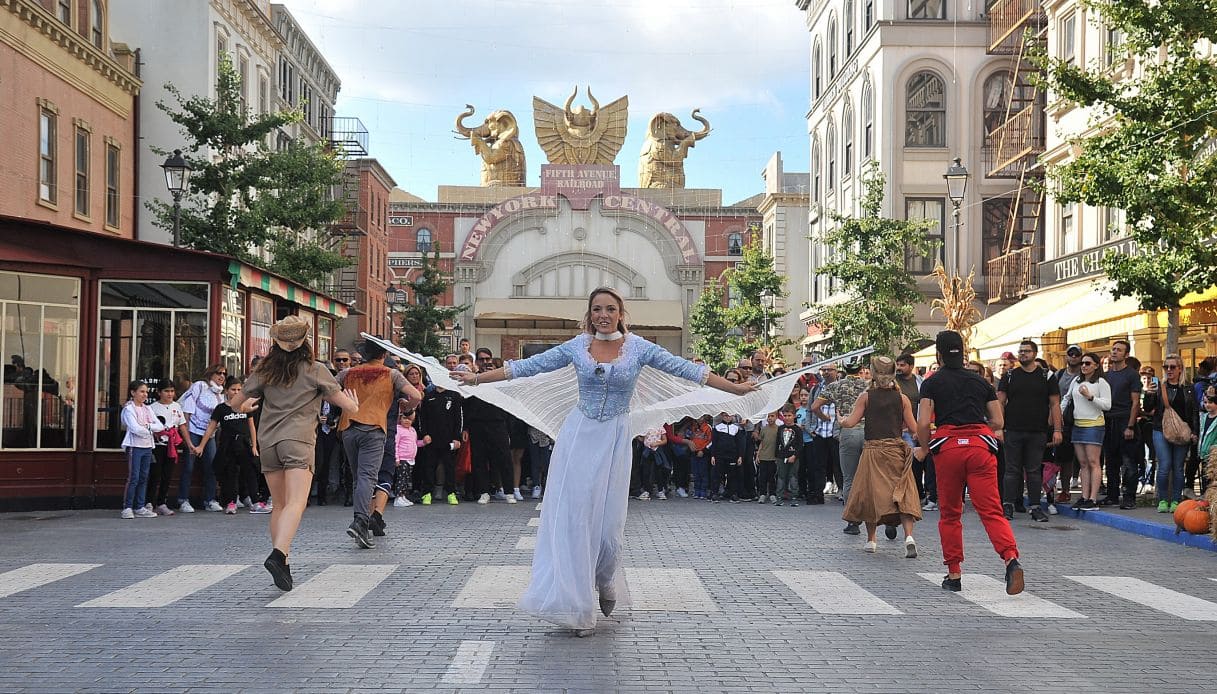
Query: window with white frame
[[868, 121], [848, 19], [933, 210], [113, 172], [48, 126], [817, 71], [1113, 223], [816, 169], [830, 149], [925, 111], [1067, 39], [40, 341], [927, 9], [1113, 45], [1067, 231], [243, 76], [832, 48], [847, 141], [81, 179], [868, 15]]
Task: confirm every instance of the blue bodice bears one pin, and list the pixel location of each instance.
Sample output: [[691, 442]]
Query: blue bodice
[[605, 391]]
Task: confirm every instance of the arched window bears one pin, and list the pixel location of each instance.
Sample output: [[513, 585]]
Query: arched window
[[96, 27], [815, 169], [868, 121], [735, 243], [1001, 100], [868, 15], [848, 19], [422, 241], [830, 146], [832, 47], [847, 141], [817, 71], [925, 111]]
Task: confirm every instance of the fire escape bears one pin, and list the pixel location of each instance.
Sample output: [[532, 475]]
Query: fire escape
[[348, 139], [1011, 149]]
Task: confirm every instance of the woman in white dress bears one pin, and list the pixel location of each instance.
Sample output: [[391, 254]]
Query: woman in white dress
[[578, 550]]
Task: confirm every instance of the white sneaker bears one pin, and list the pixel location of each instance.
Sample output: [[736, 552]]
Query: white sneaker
[[499, 496], [164, 510], [510, 498], [930, 506], [401, 502], [773, 498], [145, 512], [484, 499], [910, 548], [149, 506], [127, 514], [185, 507], [259, 508], [270, 505], [239, 503], [645, 496], [1052, 510], [661, 495], [680, 491], [536, 492], [213, 505], [870, 547], [516, 493]]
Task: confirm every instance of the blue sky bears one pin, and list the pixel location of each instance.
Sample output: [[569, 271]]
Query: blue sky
[[408, 67]]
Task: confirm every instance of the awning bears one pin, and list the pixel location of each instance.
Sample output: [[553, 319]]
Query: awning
[[1008, 319], [268, 282], [653, 314], [1042, 312]]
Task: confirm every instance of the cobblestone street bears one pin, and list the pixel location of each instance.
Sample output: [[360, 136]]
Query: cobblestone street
[[724, 598]]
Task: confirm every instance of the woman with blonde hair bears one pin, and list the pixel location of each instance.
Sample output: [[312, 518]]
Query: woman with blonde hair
[[1090, 394], [1174, 393], [884, 491], [578, 553]]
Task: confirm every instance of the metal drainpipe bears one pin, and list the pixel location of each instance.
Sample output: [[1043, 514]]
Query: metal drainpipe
[[135, 130]]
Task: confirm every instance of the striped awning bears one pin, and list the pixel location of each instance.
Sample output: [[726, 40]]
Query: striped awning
[[257, 278]]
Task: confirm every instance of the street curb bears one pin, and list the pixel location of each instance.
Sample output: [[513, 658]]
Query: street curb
[[1145, 528]]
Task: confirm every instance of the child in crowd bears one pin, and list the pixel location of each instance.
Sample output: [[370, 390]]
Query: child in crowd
[[168, 443], [441, 419], [655, 464], [678, 450], [767, 455], [407, 445], [236, 448], [789, 448], [699, 436], [730, 441], [141, 425]]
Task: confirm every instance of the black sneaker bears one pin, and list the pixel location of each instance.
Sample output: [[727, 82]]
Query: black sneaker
[[1038, 515], [1014, 578], [377, 524], [890, 532], [1008, 511], [1090, 505], [279, 570], [1108, 501], [1128, 505], [852, 529], [952, 584], [1079, 504], [1019, 507], [358, 529]]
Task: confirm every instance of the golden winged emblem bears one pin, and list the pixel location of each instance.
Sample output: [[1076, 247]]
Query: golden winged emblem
[[580, 136]]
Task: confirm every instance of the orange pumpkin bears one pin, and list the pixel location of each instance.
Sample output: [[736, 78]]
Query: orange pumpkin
[[1196, 521], [1181, 512]]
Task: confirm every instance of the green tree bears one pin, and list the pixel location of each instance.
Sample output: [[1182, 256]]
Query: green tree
[[244, 196], [868, 263], [752, 280], [421, 321], [708, 321], [1152, 152]]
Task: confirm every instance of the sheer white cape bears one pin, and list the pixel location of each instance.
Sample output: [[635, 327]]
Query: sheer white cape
[[544, 400]]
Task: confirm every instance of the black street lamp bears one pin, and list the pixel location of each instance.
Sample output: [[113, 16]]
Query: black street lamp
[[768, 301], [957, 184], [177, 177]]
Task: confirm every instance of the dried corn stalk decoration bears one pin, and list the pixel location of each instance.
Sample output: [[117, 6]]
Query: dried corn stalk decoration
[[958, 303]]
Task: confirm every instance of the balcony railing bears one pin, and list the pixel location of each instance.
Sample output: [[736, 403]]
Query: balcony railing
[[348, 295], [1008, 19], [1016, 143], [353, 221], [1009, 276], [348, 136]]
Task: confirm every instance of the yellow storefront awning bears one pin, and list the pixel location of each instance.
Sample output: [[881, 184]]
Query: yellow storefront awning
[[649, 313], [1039, 313]]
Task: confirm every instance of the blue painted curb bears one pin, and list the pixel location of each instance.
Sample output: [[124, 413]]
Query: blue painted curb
[[1137, 526]]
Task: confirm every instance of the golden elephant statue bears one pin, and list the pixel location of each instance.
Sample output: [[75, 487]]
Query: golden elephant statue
[[662, 163], [497, 142]]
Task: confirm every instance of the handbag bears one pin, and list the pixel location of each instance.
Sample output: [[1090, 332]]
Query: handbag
[[1174, 429]]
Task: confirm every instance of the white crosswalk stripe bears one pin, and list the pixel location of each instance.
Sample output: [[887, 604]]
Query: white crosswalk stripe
[[167, 588], [493, 587], [34, 575], [534, 522], [1153, 596], [990, 594], [528, 542], [469, 663], [337, 587], [829, 592], [667, 590]]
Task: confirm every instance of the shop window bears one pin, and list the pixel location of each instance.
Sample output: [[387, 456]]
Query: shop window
[[40, 341], [325, 339], [925, 111], [261, 317], [232, 330], [48, 191], [927, 9], [934, 210], [151, 331]]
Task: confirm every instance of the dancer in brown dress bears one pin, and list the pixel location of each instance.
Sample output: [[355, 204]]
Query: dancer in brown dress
[[884, 492]]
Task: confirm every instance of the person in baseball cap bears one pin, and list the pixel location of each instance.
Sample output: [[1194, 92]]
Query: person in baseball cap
[[1074, 351], [949, 345]]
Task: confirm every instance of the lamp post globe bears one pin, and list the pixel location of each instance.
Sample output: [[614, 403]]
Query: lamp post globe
[[177, 177]]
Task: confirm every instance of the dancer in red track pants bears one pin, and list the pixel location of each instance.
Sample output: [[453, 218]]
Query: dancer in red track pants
[[969, 419]]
